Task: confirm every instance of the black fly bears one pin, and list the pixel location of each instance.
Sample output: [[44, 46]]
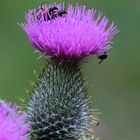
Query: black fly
[[102, 57]]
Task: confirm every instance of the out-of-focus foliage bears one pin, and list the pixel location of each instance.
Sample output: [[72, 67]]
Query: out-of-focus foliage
[[115, 83]]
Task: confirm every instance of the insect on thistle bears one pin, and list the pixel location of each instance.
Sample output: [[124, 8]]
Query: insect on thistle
[[50, 13], [102, 57]]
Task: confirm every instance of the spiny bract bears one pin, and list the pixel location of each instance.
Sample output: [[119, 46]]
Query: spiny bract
[[59, 107]]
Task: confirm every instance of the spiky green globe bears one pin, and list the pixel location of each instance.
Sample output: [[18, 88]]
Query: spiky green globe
[[59, 108]]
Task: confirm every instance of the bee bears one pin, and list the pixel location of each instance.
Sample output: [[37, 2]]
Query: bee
[[49, 13], [58, 13], [102, 57]]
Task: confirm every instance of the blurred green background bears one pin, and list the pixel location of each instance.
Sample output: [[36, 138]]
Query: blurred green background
[[115, 83]]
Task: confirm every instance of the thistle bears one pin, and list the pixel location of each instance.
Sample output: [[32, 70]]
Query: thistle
[[12, 123], [59, 107], [78, 34]]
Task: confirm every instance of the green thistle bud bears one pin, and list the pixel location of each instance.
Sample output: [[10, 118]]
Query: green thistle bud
[[59, 106]]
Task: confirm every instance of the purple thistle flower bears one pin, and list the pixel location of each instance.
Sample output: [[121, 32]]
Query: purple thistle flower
[[12, 125], [76, 35]]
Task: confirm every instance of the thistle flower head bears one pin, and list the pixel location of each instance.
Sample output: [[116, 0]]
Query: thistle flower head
[[12, 125], [73, 36]]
